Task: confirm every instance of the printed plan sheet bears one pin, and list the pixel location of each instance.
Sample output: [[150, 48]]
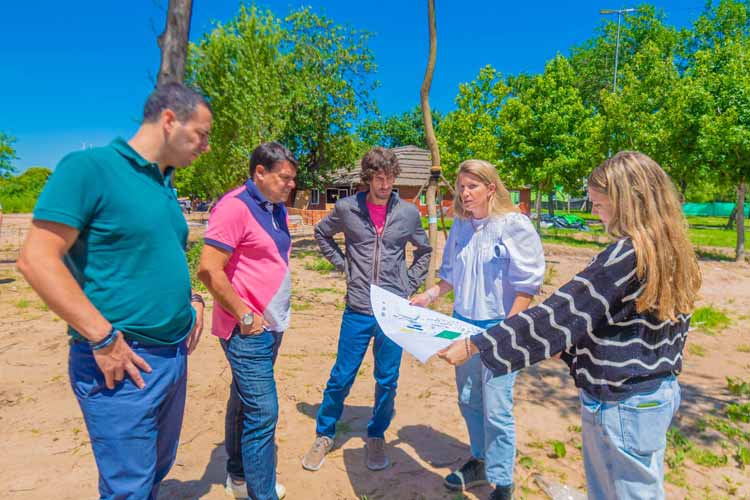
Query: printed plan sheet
[[419, 331]]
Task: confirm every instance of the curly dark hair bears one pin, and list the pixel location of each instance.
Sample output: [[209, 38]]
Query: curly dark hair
[[379, 160]]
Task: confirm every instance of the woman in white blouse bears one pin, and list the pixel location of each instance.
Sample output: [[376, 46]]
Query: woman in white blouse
[[494, 262]]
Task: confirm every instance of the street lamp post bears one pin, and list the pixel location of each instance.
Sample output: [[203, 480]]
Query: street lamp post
[[620, 13]]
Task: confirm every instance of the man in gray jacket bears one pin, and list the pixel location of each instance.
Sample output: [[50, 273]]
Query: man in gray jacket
[[376, 224]]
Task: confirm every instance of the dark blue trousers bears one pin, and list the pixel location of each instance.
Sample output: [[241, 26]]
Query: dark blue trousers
[[134, 432]]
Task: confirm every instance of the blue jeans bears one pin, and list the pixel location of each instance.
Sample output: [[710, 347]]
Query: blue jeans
[[134, 432], [354, 338], [252, 412], [624, 443], [486, 403]]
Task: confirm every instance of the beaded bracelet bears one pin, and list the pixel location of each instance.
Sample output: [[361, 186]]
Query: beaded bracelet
[[111, 337]]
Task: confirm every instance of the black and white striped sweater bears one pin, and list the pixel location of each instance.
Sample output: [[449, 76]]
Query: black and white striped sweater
[[612, 350]]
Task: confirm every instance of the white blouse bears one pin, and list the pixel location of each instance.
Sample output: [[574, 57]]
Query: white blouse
[[488, 261]]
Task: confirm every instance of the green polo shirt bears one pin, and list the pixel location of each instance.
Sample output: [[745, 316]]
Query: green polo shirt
[[129, 257]]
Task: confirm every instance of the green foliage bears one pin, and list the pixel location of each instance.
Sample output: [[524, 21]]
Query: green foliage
[[738, 387], [193, 255], [19, 194], [398, 130], [697, 350], [302, 80], [7, 155], [448, 223], [473, 129], [738, 412], [709, 319], [558, 449], [549, 137], [320, 265]]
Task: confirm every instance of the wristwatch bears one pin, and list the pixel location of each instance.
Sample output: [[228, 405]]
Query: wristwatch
[[247, 319]]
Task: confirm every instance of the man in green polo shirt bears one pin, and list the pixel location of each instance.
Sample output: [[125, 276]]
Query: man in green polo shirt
[[106, 252]]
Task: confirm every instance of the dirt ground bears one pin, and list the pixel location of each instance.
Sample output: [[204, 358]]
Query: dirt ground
[[46, 452]]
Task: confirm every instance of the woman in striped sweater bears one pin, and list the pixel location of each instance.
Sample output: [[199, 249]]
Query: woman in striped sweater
[[620, 325]]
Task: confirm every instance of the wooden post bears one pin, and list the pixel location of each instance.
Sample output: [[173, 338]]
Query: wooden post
[[432, 187], [173, 42]]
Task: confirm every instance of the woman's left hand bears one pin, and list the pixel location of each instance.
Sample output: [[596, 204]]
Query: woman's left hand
[[455, 354]]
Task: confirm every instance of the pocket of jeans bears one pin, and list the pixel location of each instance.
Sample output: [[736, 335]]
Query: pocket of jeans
[[644, 429]]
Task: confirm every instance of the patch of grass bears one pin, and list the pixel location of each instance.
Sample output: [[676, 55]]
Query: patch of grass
[[676, 477], [697, 350], [23, 304], [552, 236], [320, 265], [738, 387], [743, 348], [738, 412], [323, 290], [709, 319], [301, 254], [706, 458], [526, 462], [726, 238], [558, 449], [301, 306], [706, 254], [549, 274], [574, 428]]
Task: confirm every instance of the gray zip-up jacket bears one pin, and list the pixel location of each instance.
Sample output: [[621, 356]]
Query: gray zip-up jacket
[[370, 258]]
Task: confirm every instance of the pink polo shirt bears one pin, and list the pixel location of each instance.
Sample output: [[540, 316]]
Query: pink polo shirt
[[255, 231]]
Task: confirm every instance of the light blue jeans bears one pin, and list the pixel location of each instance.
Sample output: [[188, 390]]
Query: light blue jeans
[[624, 443], [486, 403]]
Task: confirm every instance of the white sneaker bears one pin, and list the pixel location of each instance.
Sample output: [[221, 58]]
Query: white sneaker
[[239, 490]]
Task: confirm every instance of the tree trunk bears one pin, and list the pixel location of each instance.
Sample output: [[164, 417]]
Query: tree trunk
[[424, 96], [173, 42], [538, 206], [730, 221], [740, 251], [551, 205]]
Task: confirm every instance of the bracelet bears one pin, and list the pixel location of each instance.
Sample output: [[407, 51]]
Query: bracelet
[[111, 337], [198, 298], [468, 350]]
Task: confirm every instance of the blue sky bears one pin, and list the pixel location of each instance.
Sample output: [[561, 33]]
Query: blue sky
[[77, 73]]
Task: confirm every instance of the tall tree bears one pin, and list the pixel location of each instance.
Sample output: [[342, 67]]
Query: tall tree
[[549, 137], [173, 42], [431, 140], [473, 130], [404, 129], [7, 155], [720, 64], [302, 81]]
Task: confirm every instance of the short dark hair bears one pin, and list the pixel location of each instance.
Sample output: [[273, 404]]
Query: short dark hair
[[379, 160], [270, 154], [182, 100]]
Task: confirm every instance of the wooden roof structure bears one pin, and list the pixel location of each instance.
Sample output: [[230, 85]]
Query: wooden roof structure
[[415, 166]]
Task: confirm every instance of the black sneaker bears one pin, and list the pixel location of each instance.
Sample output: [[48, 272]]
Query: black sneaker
[[471, 474], [502, 493]]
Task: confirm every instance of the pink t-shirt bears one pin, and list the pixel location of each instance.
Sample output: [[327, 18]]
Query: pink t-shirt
[[377, 214], [255, 232]]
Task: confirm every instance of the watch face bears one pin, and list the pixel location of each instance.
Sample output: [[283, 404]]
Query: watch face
[[247, 319]]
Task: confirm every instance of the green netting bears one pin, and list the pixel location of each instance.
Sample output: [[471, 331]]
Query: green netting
[[713, 209]]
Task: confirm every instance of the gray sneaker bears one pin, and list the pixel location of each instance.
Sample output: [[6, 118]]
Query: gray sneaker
[[375, 451], [315, 457]]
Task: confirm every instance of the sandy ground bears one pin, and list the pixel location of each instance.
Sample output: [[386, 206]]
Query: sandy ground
[[46, 452]]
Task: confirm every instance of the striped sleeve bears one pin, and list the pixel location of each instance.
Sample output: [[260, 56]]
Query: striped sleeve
[[578, 308]]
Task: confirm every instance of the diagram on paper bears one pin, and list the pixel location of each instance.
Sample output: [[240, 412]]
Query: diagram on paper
[[420, 331]]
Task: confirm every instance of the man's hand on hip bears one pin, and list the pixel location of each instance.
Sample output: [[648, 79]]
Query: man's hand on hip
[[256, 328], [117, 359]]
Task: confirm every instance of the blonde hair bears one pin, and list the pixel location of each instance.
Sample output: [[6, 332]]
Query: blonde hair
[[646, 209], [500, 202]]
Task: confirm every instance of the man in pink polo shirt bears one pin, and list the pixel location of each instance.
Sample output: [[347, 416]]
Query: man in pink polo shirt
[[245, 266]]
